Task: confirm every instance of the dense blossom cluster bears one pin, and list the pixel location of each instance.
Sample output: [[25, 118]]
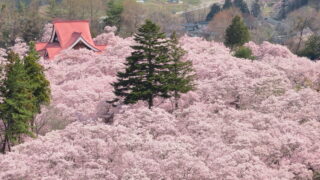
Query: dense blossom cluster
[[47, 32], [20, 47], [80, 79], [246, 120]]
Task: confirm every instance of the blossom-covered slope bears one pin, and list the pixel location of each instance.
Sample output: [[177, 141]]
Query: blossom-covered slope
[[246, 120]]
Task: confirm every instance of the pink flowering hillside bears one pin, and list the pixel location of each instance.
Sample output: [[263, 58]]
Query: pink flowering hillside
[[249, 120]]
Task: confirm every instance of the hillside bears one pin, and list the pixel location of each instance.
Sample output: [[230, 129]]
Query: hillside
[[247, 120]]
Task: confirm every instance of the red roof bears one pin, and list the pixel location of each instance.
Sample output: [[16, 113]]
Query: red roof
[[69, 34]]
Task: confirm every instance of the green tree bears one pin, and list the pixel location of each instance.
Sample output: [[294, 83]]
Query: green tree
[[147, 68], [38, 82], [237, 33], [256, 9], [312, 48], [18, 106], [215, 8], [53, 9], [181, 78], [242, 6], [227, 4], [283, 9], [244, 52], [114, 11]]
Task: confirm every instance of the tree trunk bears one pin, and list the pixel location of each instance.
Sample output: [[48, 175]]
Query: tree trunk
[[150, 102], [6, 143], [301, 33], [176, 98], [3, 149]]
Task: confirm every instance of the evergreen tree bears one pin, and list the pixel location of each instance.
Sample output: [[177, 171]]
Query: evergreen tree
[[283, 9], [147, 68], [38, 82], [242, 6], [18, 106], [181, 77], [312, 48], [114, 10], [256, 9], [227, 4], [215, 8], [237, 33]]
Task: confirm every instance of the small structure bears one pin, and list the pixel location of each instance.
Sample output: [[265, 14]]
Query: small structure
[[73, 34]]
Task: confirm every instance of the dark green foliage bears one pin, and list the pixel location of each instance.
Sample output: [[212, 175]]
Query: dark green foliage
[[242, 6], [256, 9], [146, 69], [244, 52], [114, 11], [30, 28], [215, 8], [283, 10], [24, 90], [181, 73], [227, 4], [38, 82], [312, 48], [237, 33], [18, 106]]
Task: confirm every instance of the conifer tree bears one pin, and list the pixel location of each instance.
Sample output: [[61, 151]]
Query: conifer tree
[[237, 33], [38, 82], [215, 8], [242, 6], [18, 106], [114, 10], [146, 69], [181, 72], [227, 4], [256, 9], [312, 48], [283, 9]]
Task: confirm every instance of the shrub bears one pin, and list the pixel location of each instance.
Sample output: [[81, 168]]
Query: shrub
[[244, 52], [312, 49]]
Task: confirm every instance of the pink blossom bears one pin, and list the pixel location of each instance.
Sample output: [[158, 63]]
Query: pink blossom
[[47, 32], [20, 47], [245, 120], [109, 29]]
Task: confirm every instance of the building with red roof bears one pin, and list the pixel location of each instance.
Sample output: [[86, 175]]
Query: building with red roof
[[74, 34]]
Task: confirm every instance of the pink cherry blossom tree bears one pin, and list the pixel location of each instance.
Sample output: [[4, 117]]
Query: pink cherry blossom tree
[[245, 120]]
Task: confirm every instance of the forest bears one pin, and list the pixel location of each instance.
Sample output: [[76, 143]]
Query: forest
[[236, 97]]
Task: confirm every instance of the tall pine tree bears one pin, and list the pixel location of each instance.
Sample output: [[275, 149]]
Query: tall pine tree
[[256, 9], [283, 9], [227, 4], [146, 69], [181, 78], [114, 10], [18, 106], [215, 8], [242, 6], [237, 33], [38, 82]]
